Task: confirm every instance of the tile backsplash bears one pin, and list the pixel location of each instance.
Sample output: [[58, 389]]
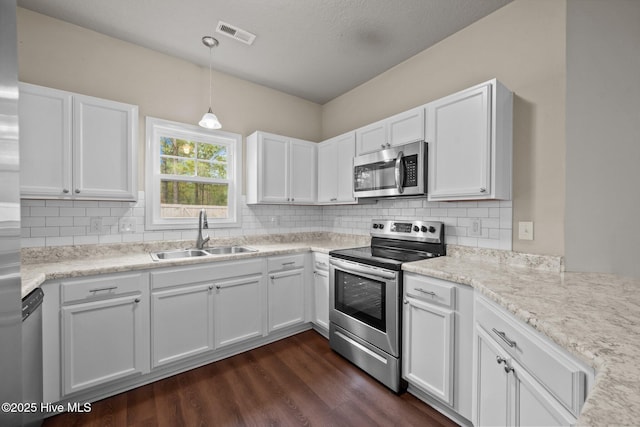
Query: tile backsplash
[[63, 222]]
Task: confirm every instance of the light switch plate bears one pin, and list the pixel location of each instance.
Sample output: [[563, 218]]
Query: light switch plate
[[525, 230]]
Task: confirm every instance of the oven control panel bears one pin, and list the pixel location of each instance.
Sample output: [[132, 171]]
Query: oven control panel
[[427, 231]]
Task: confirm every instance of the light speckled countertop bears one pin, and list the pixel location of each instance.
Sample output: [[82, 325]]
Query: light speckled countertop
[[594, 316]]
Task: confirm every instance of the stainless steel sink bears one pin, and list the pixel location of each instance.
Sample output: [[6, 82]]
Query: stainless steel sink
[[224, 250], [178, 254]]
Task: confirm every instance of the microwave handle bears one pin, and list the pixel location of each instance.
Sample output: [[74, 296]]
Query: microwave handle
[[400, 172]]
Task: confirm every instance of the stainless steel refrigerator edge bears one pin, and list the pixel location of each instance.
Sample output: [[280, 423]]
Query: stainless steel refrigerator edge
[[10, 293]]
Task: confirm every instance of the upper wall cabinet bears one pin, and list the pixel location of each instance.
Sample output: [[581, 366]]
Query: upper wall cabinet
[[335, 169], [396, 130], [76, 147], [280, 170], [470, 144]]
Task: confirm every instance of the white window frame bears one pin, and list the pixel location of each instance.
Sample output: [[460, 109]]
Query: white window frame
[[155, 128]]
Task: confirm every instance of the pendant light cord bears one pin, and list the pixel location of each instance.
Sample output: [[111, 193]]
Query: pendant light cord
[[210, 89]]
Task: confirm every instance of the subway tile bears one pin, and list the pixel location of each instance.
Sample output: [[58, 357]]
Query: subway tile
[[58, 241], [86, 240], [45, 231], [110, 238], [53, 221], [73, 231], [98, 211], [25, 202], [33, 242], [44, 211], [478, 212], [73, 211], [33, 221]]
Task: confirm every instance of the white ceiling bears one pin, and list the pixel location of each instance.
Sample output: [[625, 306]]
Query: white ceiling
[[314, 49]]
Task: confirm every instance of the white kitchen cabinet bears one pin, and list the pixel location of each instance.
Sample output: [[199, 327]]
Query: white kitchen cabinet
[[105, 330], [74, 146], [286, 291], [280, 169], [182, 322], [469, 135], [521, 378], [238, 310], [402, 128], [335, 170], [195, 310], [437, 343], [321, 291], [428, 348]]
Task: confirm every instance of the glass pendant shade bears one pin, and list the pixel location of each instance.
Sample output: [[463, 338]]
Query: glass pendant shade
[[210, 120]]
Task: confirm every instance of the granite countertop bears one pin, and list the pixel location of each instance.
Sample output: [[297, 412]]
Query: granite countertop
[[41, 264], [594, 316]]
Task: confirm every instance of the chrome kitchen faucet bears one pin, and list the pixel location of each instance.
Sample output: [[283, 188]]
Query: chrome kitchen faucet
[[202, 223]]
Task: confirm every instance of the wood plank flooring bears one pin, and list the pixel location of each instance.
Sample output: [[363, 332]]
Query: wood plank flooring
[[297, 381]]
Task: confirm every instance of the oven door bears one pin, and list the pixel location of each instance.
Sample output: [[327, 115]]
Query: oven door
[[365, 301]]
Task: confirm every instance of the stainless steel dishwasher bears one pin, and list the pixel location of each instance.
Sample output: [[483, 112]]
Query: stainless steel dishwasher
[[32, 355]]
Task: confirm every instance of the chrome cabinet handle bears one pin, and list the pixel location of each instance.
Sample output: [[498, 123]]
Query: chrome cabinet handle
[[382, 146], [109, 288], [508, 369], [405, 301], [433, 294], [500, 360], [334, 199], [288, 263], [388, 145], [399, 171], [137, 300], [77, 191], [483, 190], [504, 338], [65, 190]]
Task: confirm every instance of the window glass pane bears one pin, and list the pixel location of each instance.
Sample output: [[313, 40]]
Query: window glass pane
[[212, 170], [212, 152], [177, 166], [180, 199], [177, 147]]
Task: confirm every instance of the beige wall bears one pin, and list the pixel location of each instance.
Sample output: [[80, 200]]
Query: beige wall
[[523, 45], [603, 136], [64, 56]]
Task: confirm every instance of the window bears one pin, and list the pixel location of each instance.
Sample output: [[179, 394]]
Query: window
[[188, 169]]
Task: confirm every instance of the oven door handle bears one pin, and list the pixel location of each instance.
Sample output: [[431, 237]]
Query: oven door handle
[[354, 268], [400, 172]]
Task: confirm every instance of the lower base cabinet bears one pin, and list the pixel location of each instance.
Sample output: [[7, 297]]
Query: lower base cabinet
[[321, 291], [521, 379], [104, 330], [219, 305], [286, 294]]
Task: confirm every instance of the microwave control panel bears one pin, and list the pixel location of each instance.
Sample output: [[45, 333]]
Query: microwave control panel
[[410, 171]]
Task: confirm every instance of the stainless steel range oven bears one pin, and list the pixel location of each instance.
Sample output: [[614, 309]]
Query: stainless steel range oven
[[366, 295]]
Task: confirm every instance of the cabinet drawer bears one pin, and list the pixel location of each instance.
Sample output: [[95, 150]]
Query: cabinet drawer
[[96, 287], [547, 362], [430, 290], [286, 262], [202, 273]]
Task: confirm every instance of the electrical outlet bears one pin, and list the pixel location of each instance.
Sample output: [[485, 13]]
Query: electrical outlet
[[475, 227], [95, 225], [127, 224], [525, 230]]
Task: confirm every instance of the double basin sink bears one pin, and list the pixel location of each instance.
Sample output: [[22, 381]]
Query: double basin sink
[[191, 253]]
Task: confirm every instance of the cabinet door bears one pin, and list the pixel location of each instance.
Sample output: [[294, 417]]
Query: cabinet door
[[104, 149], [238, 310], [286, 299], [103, 341], [321, 298], [335, 169], [406, 127], [328, 172], [534, 405], [274, 163], [371, 138], [493, 388], [181, 323], [45, 142], [428, 348], [302, 180], [459, 137]]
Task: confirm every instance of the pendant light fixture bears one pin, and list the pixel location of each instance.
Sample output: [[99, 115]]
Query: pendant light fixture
[[210, 120]]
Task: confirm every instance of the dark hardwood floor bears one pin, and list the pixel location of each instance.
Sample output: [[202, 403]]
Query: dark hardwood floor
[[297, 381]]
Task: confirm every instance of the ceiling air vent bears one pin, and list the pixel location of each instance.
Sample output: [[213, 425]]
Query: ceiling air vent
[[235, 33]]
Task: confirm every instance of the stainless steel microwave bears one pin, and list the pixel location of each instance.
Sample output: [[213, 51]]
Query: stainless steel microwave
[[396, 171]]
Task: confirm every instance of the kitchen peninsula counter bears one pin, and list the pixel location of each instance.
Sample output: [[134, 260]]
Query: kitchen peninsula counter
[[594, 316]]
